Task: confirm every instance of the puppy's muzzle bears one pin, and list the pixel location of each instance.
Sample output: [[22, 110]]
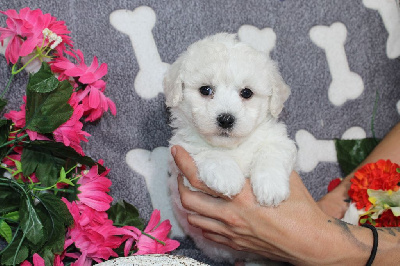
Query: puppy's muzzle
[[226, 121]]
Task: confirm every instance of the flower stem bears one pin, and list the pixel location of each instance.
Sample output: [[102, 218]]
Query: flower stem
[[18, 248], [152, 237], [13, 141], [7, 86], [24, 66]]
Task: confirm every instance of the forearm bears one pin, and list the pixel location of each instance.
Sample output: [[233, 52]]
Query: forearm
[[355, 245], [388, 148], [338, 243]]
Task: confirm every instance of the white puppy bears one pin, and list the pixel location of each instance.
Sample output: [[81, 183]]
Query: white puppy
[[225, 98]]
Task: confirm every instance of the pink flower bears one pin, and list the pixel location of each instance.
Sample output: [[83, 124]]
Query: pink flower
[[25, 32], [92, 96], [70, 133], [93, 234], [146, 245], [94, 188], [37, 261], [18, 117], [96, 104]]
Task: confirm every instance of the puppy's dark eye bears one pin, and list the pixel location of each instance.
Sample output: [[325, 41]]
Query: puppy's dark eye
[[206, 90], [246, 93]]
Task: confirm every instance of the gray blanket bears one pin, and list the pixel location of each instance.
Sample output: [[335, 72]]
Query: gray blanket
[[338, 57]]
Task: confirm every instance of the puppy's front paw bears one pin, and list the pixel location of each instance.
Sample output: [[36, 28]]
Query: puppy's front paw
[[221, 174], [270, 186]]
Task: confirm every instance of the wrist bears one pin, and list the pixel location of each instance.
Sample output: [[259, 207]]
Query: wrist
[[352, 244]]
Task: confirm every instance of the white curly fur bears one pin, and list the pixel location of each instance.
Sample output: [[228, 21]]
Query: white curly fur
[[256, 147]]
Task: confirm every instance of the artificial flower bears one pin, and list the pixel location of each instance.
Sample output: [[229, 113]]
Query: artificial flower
[[92, 233], [34, 37], [37, 261], [92, 95], [146, 245], [93, 189], [18, 117], [334, 183], [70, 133], [25, 32], [375, 192], [380, 175], [96, 103]]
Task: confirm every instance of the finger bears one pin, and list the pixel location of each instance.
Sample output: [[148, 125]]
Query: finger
[[184, 162], [221, 228], [188, 167], [200, 202], [268, 253], [220, 239], [209, 224]]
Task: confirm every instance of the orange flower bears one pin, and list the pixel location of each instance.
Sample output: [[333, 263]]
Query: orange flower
[[381, 175]]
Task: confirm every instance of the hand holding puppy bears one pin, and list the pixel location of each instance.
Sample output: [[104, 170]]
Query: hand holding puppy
[[296, 231]]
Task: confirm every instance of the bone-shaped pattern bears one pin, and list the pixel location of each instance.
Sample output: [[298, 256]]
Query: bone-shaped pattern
[[262, 40], [389, 11], [153, 166], [313, 151], [346, 85], [4, 46], [138, 25], [398, 107]]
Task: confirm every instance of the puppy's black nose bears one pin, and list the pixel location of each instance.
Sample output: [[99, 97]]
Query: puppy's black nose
[[226, 121]]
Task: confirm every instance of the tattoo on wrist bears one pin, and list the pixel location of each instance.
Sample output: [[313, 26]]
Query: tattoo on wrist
[[390, 230], [345, 230]]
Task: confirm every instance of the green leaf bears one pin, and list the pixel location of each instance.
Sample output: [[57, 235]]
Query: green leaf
[[43, 81], [7, 258], [56, 217], [5, 231], [3, 103], [5, 126], [54, 233], [9, 198], [363, 221], [30, 223], [123, 213], [351, 153], [45, 112], [12, 215], [44, 164], [56, 208], [63, 178], [59, 150]]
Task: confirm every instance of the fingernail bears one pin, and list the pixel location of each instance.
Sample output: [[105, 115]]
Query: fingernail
[[173, 151]]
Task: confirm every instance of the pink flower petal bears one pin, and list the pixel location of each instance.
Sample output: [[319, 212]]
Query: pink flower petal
[[37, 260]]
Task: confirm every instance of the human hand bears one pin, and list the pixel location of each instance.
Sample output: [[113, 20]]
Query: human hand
[[336, 202], [279, 233]]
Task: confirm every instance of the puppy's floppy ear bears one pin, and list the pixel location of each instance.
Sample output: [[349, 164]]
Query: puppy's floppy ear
[[173, 84], [280, 93]]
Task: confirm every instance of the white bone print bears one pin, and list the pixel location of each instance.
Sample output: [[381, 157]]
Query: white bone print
[[313, 151], [390, 13], [153, 166], [346, 85], [262, 40], [138, 24]]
